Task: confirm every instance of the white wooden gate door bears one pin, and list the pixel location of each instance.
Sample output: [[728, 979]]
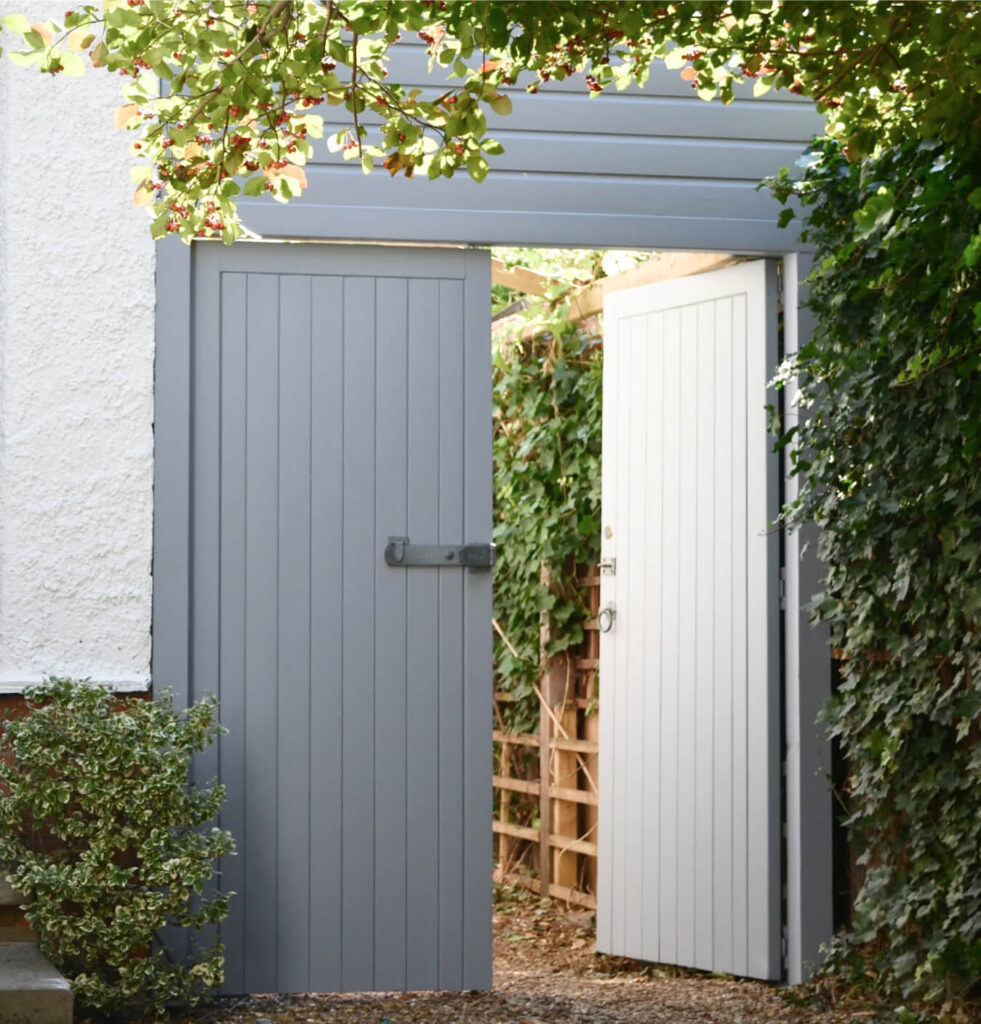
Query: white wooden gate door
[[689, 841]]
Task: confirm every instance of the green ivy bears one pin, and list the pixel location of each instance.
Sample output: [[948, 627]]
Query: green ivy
[[547, 441], [101, 832], [889, 459]]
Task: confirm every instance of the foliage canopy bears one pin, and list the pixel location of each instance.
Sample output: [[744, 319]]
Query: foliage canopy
[[889, 457], [251, 83]]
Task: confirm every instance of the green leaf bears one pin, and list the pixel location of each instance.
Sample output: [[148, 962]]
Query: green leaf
[[72, 64], [501, 104], [477, 166], [16, 23]]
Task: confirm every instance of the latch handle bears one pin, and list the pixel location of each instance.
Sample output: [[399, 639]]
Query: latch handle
[[400, 553]]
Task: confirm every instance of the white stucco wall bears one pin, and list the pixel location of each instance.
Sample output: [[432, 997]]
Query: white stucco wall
[[76, 385]]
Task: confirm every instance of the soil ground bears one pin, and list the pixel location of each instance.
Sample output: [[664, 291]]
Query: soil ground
[[545, 972]]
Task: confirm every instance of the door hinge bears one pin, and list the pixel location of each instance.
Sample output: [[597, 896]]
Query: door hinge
[[607, 566], [783, 587], [783, 944]]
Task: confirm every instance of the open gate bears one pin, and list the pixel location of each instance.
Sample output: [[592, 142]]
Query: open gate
[[689, 857]]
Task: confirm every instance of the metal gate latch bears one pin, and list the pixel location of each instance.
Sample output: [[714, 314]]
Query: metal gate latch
[[606, 617], [400, 553]]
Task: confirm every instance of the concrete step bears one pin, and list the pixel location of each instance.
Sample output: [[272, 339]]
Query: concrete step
[[31, 990], [13, 927], [9, 896]]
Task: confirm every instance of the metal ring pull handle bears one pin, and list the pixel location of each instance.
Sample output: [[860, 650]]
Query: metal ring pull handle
[[605, 618]]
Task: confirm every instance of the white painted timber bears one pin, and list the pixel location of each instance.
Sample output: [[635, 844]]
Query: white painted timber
[[76, 384], [690, 791]]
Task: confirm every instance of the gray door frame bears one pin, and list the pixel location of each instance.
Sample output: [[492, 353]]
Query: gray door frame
[[807, 665]]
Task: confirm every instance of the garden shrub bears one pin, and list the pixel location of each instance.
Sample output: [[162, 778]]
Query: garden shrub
[[889, 459], [102, 832]]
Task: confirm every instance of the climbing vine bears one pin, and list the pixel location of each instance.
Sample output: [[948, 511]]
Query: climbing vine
[[547, 411], [889, 459]]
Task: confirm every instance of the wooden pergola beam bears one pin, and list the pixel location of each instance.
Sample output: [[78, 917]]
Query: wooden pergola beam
[[519, 279], [589, 301], [663, 267]]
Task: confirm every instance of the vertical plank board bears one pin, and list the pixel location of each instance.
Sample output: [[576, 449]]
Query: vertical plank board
[[739, 599], [705, 586], [391, 453], [637, 408], [622, 766], [653, 469], [422, 665], [767, 290], [723, 882], [478, 644], [670, 642], [687, 665], [358, 648], [173, 331], [205, 460], [232, 754], [327, 620], [261, 647], [756, 658], [606, 895], [763, 650], [807, 675], [205, 499], [451, 582], [293, 722], [546, 735]]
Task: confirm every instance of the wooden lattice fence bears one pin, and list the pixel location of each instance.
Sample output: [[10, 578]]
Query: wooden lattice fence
[[547, 783]]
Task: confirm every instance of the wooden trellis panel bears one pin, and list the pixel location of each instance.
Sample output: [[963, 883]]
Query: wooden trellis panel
[[565, 795]]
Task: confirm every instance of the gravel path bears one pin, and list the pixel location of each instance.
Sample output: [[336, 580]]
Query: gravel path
[[545, 972]]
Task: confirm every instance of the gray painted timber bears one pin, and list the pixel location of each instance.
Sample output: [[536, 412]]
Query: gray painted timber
[[646, 167], [329, 397], [691, 668], [651, 168], [808, 685]]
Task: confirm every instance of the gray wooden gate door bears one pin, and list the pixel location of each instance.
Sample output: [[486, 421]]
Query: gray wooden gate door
[[689, 844], [339, 396]]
